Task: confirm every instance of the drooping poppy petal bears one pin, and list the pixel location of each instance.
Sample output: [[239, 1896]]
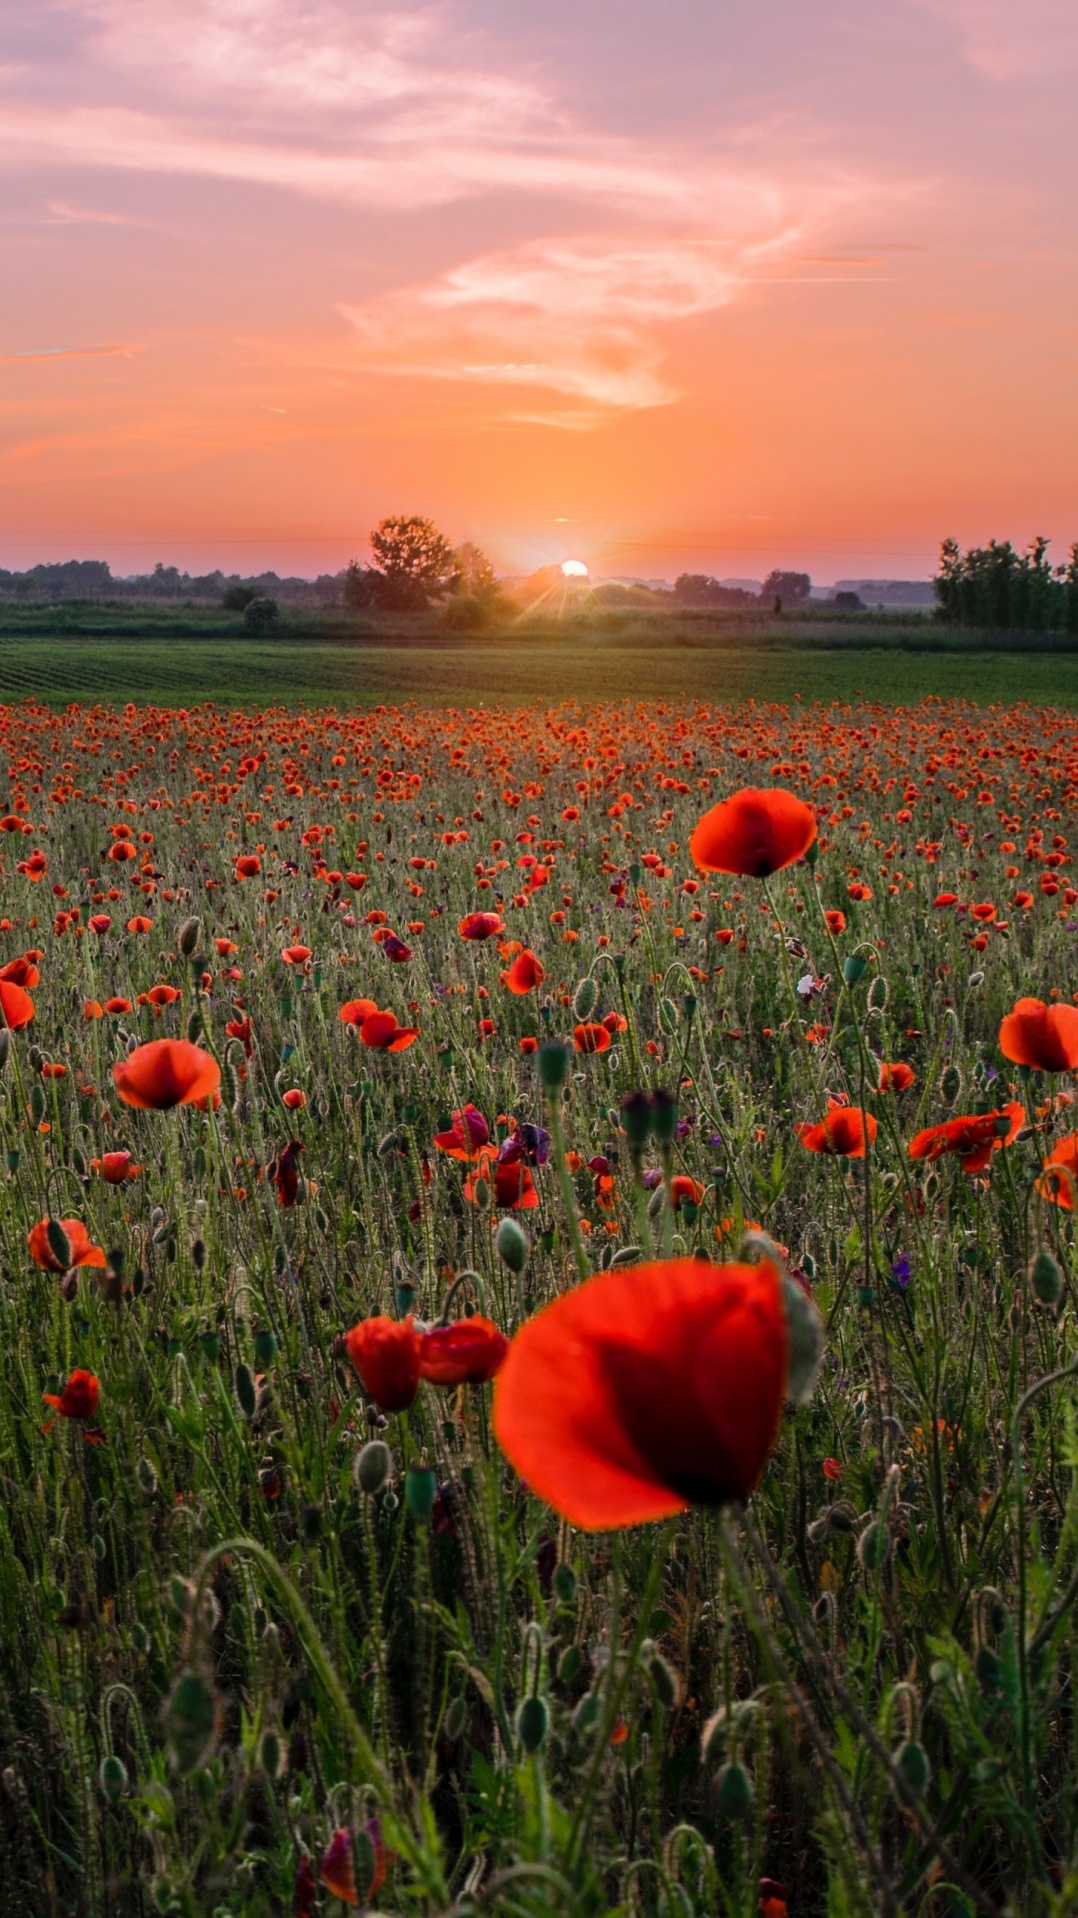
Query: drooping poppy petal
[[468, 1352], [481, 925], [896, 1078], [1058, 1182], [843, 1131], [166, 1073], [354, 1011], [591, 1037], [972, 1136], [1041, 1036], [753, 833], [16, 1006], [647, 1389], [79, 1398], [81, 1248], [524, 974], [385, 1353]]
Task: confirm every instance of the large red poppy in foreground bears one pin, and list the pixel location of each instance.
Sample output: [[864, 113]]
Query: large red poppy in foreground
[[166, 1073], [1040, 1036], [646, 1390], [754, 833]]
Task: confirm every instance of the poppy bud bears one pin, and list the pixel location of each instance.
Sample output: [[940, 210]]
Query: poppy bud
[[188, 936], [36, 1058], [270, 1755], [59, 1243], [873, 1547], [989, 1669], [189, 1723], [569, 1664], [456, 1717], [951, 1084], [112, 1778], [668, 1015], [553, 1065], [265, 1348], [146, 1475], [371, 1466], [806, 1343], [733, 1792], [420, 1488], [636, 1119], [198, 1254], [975, 979], [911, 1763], [586, 1715], [481, 1193], [626, 1255], [663, 1117], [585, 998], [245, 1390], [664, 1682], [37, 1104], [564, 1584], [5, 1045], [878, 993], [511, 1245], [533, 1721], [1046, 1279]]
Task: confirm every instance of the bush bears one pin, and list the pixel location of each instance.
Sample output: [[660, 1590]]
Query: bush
[[236, 599], [260, 615]]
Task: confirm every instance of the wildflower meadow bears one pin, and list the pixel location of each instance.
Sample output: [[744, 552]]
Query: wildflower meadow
[[538, 1311]]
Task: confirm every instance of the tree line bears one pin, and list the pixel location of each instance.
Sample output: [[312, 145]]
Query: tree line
[[999, 589]]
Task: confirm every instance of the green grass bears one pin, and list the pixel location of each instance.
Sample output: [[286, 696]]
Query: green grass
[[236, 670]]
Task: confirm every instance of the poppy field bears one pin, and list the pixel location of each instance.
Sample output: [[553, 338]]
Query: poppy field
[[538, 1311]]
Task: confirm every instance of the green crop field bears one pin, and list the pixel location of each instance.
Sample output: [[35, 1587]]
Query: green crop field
[[284, 671]]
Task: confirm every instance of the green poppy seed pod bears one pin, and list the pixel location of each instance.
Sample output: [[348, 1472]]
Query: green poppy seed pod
[[911, 1763], [663, 1117], [664, 1682], [246, 1393], [481, 1194], [58, 1242], [636, 1120], [512, 1245], [420, 1488], [1046, 1279], [403, 1298], [585, 998], [533, 1723], [112, 1778], [668, 1018], [873, 1547], [733, 1792], [456, 1717], [854, 968], [586, 1716], [265, 1348], [372, 1466], [37, 1104], [878, 993], [271, 1755], [146, 1475], [626, 1255], [188, 936], [806, 1342], [569, 1664], [189, 1723], [553, 1065], [564, 1584]]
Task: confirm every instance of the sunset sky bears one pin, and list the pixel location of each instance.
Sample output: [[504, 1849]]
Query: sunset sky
[[706, 284]]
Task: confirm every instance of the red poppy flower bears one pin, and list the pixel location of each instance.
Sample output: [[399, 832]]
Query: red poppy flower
[[140, 923], [1043, 1037], [524, 974], [337, 1867], [79, 1398], [386, 1353], [248, 866], [511, 1183], [116, 1004], [481, 925], [16, 1006], [973, 1136], [355, 1011], [116, 1167], [21, 972], [242, 1030], [296, 955], [295, 1099], [754, 833], [99, 922], [468, 1132], [468, 1352], [844, 1131], [590, 1037], [684, 1190], [529, 1043], [381, 1032], [92, 1009], [943, 899], [166, 1073], [836, 922], [1059, 1178], [896, 1078], [286, 1177], [646, 1390], [160, 996], [80, 1246]]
